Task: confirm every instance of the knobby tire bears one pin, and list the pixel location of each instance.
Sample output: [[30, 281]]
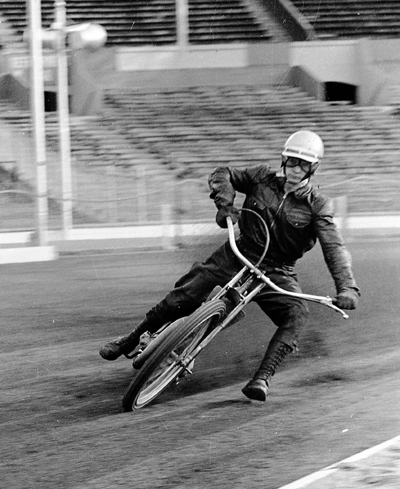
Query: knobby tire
[[160, 370]]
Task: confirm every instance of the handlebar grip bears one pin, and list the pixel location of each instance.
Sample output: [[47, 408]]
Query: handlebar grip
[[313, 298]]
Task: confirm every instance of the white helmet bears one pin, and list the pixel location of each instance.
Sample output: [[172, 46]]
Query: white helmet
[[305, 145]]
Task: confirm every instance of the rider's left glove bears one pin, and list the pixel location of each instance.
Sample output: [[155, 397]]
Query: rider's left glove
[[347, 299], [224, 212]]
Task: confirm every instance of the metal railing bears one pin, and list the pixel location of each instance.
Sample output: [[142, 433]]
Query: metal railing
[[143, 197]]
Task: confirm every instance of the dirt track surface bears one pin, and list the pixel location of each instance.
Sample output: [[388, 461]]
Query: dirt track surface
[[380, 468], [60, 409]]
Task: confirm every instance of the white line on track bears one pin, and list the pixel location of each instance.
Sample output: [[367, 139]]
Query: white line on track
[[331, 469]]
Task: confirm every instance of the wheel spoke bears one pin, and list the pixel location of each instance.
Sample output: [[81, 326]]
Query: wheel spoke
[[172, 358]]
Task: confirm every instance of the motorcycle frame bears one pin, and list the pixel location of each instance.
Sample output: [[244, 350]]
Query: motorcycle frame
[[245, 297]]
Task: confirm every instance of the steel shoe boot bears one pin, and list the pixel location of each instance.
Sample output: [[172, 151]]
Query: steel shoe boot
[[122, 345], [256, 389]]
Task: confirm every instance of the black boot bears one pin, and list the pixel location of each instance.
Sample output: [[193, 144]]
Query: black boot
[[123, 345], [257, 388]]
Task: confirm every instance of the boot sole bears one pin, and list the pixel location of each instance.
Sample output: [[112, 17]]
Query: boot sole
[[109, 356], [255, 394]]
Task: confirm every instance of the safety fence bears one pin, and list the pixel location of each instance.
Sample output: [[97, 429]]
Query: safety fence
[[111, 197]]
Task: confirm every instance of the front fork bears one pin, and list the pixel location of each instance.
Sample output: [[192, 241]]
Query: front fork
[[236, 300]]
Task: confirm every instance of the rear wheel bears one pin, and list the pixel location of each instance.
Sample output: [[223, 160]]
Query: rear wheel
[[172, 357]]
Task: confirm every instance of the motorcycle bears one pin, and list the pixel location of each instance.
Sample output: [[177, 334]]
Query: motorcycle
[[169, 354]]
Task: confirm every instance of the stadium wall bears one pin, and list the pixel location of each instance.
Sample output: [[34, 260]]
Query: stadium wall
[[148, 68], [361, 64], [367, 66], [370, 66]]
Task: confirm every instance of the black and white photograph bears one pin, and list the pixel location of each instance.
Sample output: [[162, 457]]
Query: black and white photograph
[[199, 244]]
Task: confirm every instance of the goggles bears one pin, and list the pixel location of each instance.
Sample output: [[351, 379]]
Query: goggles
[[291, 162]]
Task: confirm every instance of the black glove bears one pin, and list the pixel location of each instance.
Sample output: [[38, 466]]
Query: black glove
[[224, 212], [347, 299]]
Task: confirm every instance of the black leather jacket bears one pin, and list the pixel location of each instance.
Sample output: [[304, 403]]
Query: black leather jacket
[[295, 220]]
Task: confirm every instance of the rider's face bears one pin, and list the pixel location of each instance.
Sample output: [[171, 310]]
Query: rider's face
[[296, 169]]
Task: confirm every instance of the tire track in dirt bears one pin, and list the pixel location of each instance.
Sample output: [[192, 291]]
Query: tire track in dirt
[[211, 437], [60, 409]]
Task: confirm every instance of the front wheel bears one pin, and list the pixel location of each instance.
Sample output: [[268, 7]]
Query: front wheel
[[168, 361]]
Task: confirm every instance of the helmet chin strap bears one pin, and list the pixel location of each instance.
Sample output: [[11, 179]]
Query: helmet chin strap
[[306, 177], [282, 173]]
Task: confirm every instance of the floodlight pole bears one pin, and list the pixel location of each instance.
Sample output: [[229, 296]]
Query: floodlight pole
[[182, 22], [38, 122], [63, 115]]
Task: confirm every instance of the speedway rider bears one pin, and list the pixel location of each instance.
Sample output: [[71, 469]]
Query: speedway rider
[[297, 216]]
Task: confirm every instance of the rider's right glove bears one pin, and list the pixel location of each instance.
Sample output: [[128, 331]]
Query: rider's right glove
[[347, 299], [224, 212]]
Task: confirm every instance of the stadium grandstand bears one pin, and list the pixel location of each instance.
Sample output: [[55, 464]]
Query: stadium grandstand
[[157, 125], [139, 23], [352, 18]]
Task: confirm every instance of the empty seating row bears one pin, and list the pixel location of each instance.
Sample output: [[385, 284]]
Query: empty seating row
[[198, 129], [223, 21], [182, 134], [150, 22], [153, 22], [126, 22], [352, 18]]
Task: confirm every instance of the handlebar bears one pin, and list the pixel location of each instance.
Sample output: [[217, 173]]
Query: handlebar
[[325, 301]]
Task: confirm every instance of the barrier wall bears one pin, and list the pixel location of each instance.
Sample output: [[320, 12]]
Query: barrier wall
[[370, 65], [362, 63]]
